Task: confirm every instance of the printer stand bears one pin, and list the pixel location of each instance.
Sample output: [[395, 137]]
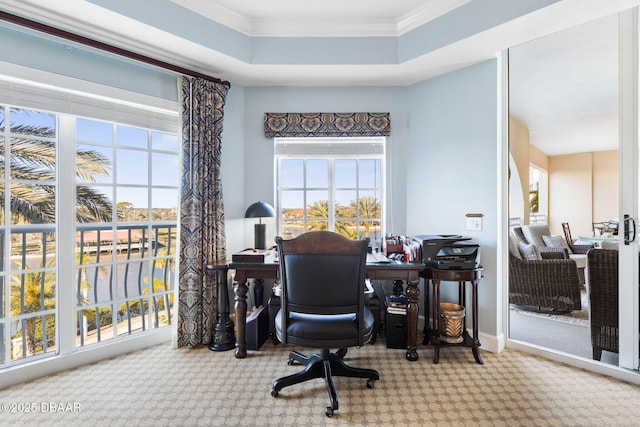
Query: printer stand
[[432, 335]]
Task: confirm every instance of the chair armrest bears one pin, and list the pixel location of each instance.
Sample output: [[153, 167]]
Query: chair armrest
[[581, 248]]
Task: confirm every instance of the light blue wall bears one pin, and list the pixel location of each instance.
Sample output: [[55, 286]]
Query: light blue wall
[[452, 167]]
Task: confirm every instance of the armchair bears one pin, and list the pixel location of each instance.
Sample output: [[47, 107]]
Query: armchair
[[549, 284], [540, 236], [322, 306]]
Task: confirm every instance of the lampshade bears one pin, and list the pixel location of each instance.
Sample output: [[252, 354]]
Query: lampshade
[[259, 210]]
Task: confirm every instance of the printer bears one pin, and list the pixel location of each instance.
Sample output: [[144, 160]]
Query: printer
[[449, 251]]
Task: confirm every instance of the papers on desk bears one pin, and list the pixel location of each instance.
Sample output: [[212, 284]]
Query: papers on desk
[[377, 257]]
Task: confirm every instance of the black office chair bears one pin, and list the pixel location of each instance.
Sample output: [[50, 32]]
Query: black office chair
[[322, 275]]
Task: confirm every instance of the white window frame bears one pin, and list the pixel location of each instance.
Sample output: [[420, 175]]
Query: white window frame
[[66, 96], [331, 149]]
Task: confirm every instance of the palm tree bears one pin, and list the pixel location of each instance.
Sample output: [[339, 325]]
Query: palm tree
[[35, 160], [37, 293], [319, 210], [366, 207]]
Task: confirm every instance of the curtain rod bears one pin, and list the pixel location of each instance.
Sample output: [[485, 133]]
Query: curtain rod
[[24, 22]]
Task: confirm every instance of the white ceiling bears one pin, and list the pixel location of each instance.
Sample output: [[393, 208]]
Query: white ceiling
[[564, 88], [547, 79]]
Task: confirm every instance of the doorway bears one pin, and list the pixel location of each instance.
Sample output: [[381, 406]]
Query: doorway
[[564, 118]]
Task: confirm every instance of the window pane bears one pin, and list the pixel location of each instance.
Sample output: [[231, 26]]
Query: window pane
[[292, 174], [133, 203], [165, 202], [94, 203], [346, 203], [132, 137], [164, 142], [317, 174], [317, 204], [94, 131], [94, 163], [32, 159], [292, 203], [30, 122], [33, 204], [165, 169], [346, 176], [369, 174], [132, 167], [369, 205]]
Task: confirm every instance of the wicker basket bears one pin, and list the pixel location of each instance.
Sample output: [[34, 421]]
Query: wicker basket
[[451, 322]]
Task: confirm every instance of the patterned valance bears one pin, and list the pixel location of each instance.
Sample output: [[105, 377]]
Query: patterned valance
[[326, 124]]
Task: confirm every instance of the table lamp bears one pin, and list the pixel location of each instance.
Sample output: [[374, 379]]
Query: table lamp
[[260, 210]]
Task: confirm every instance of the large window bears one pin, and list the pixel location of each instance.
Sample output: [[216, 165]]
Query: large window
[[332, 184], [88, 219]]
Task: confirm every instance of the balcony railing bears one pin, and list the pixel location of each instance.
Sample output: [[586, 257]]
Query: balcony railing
[[124, 283]]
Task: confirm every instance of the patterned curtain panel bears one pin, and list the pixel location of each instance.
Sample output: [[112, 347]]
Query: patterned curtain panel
[[326, 124], [202, 233]]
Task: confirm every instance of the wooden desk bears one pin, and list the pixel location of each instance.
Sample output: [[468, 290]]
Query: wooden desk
[[408, 272]]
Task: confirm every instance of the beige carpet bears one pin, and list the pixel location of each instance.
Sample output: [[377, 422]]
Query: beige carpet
[[161, 386]]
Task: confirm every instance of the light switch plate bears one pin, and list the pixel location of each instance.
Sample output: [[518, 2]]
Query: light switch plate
[[474, 223]]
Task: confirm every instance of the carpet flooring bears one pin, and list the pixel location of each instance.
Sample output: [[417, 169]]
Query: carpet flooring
[[161, 386]]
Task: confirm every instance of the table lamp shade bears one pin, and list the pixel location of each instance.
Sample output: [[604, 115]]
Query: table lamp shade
[[260, 210]]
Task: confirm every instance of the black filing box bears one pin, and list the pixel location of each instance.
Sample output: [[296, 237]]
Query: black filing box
[[395, 329]]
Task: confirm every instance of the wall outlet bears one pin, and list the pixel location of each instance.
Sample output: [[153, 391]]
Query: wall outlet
[[474, 223]]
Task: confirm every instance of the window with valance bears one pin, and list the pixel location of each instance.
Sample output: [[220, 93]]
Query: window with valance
[[330, 170]]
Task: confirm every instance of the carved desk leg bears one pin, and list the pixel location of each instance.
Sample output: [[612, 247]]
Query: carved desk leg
[[223, 335], [241, 316], [412, 292]]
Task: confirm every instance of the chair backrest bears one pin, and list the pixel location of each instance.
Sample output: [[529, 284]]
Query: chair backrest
[[602, 267], [567, 233], [533, 233], [322, 272]]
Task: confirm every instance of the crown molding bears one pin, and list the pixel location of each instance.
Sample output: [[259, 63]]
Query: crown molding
[[322, 27], [433, 9], [218, 13]]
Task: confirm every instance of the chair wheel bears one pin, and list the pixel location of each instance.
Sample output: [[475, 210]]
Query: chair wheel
[[329, 411], [274, 392], [290, 361], [370, 383]]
